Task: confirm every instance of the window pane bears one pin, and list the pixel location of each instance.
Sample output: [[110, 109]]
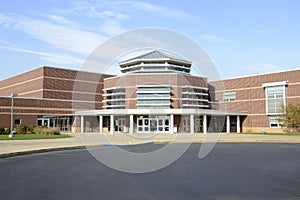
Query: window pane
[[275, 98], [229, 96]]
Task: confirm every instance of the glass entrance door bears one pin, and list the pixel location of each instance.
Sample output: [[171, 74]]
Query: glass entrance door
[[121, 125], [185, 124], [153, 124]]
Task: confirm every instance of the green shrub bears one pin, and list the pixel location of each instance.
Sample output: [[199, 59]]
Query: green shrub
[[7, 131], [46, 131], [21, 129], [2, 130], [31, 129]]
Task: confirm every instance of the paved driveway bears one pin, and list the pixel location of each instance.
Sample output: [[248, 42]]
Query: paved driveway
[[231, 171]]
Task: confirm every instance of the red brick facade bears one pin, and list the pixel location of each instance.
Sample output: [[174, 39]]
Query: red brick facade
[[175, 81], [48, 91], [250, 96]]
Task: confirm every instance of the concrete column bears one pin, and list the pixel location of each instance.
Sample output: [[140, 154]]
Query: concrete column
[[192, 124], [81, 124], [100, 123], [205, 124], [112, 126], [238, 124], [227, 124], [171, 124], [131, 124]]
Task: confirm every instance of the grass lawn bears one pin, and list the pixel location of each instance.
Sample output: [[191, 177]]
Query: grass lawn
[[32, 137], [283, 134]]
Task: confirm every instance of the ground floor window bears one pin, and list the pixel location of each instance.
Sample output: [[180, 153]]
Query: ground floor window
[[64, 123], [274, 122], [17, 121]]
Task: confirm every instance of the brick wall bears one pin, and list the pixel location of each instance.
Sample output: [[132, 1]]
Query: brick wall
[[37, 87], [130, 82], [250, 95], [28, 84]]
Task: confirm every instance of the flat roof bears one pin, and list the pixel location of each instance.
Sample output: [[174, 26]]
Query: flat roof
[[160, 112], [262, 74]]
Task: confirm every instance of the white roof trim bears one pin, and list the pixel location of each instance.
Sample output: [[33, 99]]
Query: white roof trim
[[194, 87], [275, 84], [113, 88], [154, 86], [152, 111]]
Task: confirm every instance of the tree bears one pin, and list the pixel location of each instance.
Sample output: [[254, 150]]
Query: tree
[[291, 118]]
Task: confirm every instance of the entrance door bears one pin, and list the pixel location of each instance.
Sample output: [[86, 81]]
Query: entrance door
[[199, 124], [44, 122], [120, 124], [185, 124], [156, 124]]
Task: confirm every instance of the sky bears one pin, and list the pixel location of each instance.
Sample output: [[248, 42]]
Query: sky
[[241, 37]]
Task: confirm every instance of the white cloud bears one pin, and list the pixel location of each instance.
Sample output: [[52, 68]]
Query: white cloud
[[53, 58], [213, 38], [62, 20], [112, 20], [4, 42], [260, 32], [59, 36], [164, 11], [60, 32], [106, 14], [263, 68], [112, 27]]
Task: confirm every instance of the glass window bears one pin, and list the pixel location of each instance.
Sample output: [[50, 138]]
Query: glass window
[[273, 122], [229, 96], [275, 98], [17, 121], [153, 97]]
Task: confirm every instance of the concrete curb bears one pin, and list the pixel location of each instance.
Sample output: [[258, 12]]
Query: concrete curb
[[43, 150], [19, 153], [133, 144], [235, 141]]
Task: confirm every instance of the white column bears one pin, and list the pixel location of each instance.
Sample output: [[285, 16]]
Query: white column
[[81, 124], [227, 124], [192, 124], [238, 124], [171, 124], [131, 124], [112, 126], [100, 123], [205, 124]]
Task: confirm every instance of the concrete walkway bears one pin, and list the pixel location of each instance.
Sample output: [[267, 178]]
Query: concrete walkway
[[19, 147]]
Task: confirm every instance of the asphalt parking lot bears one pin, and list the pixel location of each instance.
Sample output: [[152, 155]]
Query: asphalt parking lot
[[231, 171]]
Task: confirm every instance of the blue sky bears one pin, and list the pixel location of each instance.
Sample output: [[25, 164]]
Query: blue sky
[[241, 37]]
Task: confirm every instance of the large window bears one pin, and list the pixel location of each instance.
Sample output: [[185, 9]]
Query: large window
[[194, 97], [275, 98], [153, 97], [114, 98], [229, 96]]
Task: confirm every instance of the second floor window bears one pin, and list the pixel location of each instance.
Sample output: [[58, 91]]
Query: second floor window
[[229, 96]]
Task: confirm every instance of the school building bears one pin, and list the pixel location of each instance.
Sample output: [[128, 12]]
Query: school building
[[156, 93]]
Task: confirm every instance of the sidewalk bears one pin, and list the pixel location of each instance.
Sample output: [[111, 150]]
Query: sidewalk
[[19, 147]]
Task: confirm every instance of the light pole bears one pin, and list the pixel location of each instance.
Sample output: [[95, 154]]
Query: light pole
[[12, 114]]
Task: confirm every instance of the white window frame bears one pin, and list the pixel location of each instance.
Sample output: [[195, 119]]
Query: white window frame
[[229, 94], [278, 125], [275, 84]]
